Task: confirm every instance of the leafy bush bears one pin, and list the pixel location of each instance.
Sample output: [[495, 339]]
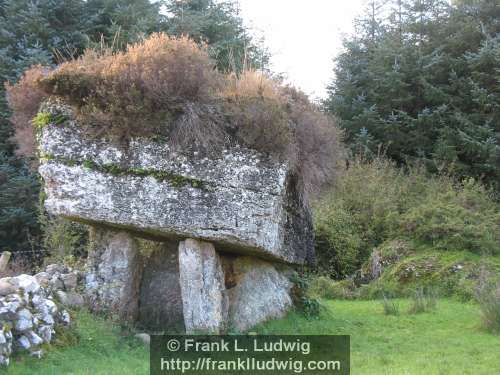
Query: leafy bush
[[339, 245], [324, 287], [358, 214], [306, 303], [375, 201]]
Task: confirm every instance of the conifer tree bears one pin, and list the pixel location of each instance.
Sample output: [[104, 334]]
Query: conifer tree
[[218, 24], [41, 32], [428, 88]]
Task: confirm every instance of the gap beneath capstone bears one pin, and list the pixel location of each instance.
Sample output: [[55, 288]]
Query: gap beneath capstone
[[185, 286]]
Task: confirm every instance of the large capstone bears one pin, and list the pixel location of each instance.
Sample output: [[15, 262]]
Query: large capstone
[[240, 200]]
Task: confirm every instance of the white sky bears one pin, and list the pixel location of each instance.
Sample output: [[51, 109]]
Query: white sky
[[303, 36]]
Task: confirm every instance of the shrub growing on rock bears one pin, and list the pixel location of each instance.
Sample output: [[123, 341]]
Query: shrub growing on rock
[[168, 87], [138, 91]]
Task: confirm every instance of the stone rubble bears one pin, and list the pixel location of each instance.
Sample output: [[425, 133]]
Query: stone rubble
[[31, 307]]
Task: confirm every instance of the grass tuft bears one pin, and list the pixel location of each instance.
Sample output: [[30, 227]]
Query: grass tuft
[[489, 303], [423, 300], [391, 306]]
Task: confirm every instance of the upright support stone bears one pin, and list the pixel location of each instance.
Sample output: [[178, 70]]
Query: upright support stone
[[114, 273], [260, 292], [160, 302], [202, 287]]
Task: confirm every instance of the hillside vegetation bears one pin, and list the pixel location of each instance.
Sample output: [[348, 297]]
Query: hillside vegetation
[[385, 231]]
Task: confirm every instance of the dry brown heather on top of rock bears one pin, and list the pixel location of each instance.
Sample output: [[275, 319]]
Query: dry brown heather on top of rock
[[168, 87]]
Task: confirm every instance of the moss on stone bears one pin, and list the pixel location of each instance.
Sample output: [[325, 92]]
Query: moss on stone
[[42, 119], [116, 170], [148, 247], [451, 274]]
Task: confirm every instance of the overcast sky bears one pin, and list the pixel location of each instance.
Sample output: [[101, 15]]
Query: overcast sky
[[303, 36]]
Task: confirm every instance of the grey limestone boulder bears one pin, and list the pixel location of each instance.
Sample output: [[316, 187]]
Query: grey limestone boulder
[[70, 299], [240, 200], [261, 292], [114, 273], [6, 287]]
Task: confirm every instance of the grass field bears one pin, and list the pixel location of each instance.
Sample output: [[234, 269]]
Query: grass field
[[449, 340]]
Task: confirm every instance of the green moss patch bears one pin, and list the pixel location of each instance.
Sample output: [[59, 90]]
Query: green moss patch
[[452, 274], [175, 180], [42, 119]]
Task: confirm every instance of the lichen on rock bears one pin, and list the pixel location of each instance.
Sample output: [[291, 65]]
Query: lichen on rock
[[241, 200]]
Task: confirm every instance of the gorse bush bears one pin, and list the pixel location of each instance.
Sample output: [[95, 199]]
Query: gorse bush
[[339, 244], [374, 201], [461, 218], [169, 87]]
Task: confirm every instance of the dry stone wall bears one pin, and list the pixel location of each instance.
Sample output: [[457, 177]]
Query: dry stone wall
[[32, 307]]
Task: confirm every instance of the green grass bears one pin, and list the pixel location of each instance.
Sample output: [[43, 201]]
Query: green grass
[[101, 350], [449, 340]]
